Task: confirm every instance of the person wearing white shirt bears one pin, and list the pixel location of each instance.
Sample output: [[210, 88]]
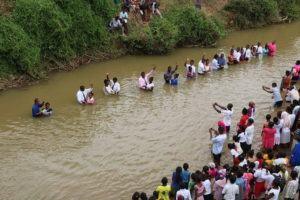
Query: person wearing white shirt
[[115, 85], [201, 67], [207, 186], [230, 190], [237, 55], [259, 49], [183, 193], [249, 133], [144, 79], [218, 141], [214, 62], [248, 53], [191, 64], [292, 95], [82, 94], [107, 88], [273, 193], [227, 114]]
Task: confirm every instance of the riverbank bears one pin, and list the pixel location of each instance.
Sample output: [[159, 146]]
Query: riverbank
[[37, 53]]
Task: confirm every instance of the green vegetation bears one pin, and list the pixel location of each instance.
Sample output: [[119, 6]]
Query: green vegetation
[[253, 13], [180, 26]]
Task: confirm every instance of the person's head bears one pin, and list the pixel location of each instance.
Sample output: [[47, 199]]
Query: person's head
[[250, 121], [135, 196], [178, 170], [238, 49], [289, 110], [169, 69], [268, 117], [259, 155], [241, 157], [181, 185], [274, 42], [82, 88], [190, 69], [247, 46], [212, 165], [294, 175], [36, 101], [176, 76], [222, 55], [47, 105], [164, 181], [143, 74], [151, 79], [232, 179], [106, 82], [207, 62], [194, 176], [205, 169], [276, 183], [251, 104], [229, 106], [298, 62], [275, 120], [259, 44], [287, 73], [185, 166], [143, 196], [192, 62], [271, 124], [274, 85], [115, 79], [221, 129], [250, 153], [239, 174], [244, 111], [216, 56], [270, 155], [295, 103], [231, 51]]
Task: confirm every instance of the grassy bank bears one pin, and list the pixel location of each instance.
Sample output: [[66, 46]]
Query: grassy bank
[[39, 36]]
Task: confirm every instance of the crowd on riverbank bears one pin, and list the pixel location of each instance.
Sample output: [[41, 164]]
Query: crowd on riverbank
[[270, 173]]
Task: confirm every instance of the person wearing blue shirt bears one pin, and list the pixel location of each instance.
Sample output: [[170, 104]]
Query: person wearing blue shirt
[[174, 81], [36, 112], [221, 60], [185, 175]]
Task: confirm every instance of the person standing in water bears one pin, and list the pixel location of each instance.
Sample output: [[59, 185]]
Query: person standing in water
[[144, 79], [47, 111], [272, 48], [276, 94], [36, 108], [169, 73], [82, 94], [218, 139], [227, 114]]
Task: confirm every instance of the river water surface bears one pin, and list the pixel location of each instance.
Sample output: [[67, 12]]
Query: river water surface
[[128, 143]]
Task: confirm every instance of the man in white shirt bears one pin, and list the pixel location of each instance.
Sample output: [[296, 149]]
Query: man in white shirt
[[82, 94], [248, 53], [276, 94], [218, 141], [292, 95], [259, 49], [183, 192], [214, 62], [144, 79], [115, 85], [191, 64], [201, 67], [249, 133], [237, 54], [231, 190], [227, 114]]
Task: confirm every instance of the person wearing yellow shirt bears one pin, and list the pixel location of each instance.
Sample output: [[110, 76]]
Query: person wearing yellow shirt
[[163, 190]]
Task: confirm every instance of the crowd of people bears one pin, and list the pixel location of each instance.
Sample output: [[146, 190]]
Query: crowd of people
[[271, 173]]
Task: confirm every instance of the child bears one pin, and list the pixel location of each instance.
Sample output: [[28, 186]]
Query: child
[[150, 86], [242, 185], [47, 111], [199, 189], [190, 73], [164, 189], [227, 113], [186, 175], [268, 119], [251, 109], [273, 193], [234, 154], [237, 144], [213, 172], [278, 126], [90, 100], [175, 80], [292, 187]]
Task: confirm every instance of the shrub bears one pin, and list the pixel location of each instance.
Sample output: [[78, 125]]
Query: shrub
[[18, 53], [252, 13], [158, 38], [104, 8], [288, 8], [194, 27]]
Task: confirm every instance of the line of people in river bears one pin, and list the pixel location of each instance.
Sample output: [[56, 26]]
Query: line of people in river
[[268, 174]]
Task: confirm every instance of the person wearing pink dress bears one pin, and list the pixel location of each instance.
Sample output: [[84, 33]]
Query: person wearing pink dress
[[199, 190], [272, 48], [248, 177], [218, 187], [268, 136]]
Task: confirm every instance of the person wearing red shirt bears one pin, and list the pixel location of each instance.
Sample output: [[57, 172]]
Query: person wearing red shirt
[[244, 118]]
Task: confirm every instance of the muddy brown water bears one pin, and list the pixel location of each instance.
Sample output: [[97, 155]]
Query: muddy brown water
[[127, 143]]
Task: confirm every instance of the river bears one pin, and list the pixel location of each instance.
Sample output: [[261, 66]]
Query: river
[[128, 143]]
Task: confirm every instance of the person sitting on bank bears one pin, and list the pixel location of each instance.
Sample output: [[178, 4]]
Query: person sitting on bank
[[174, 81], [116, 24], [169, 73], [123, 16], [276, 94], [155, 8], [144, 79], [47, 111], [82, 94], [36, 108]]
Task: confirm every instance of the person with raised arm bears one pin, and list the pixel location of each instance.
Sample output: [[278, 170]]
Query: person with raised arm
[[276, 94], [227, 113], [169, 73], [144, 79], [218, 139], [82, 94]]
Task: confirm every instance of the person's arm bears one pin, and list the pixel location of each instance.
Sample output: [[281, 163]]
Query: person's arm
[[176, 67], [215, 107], [267, 89], [150, 73]]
